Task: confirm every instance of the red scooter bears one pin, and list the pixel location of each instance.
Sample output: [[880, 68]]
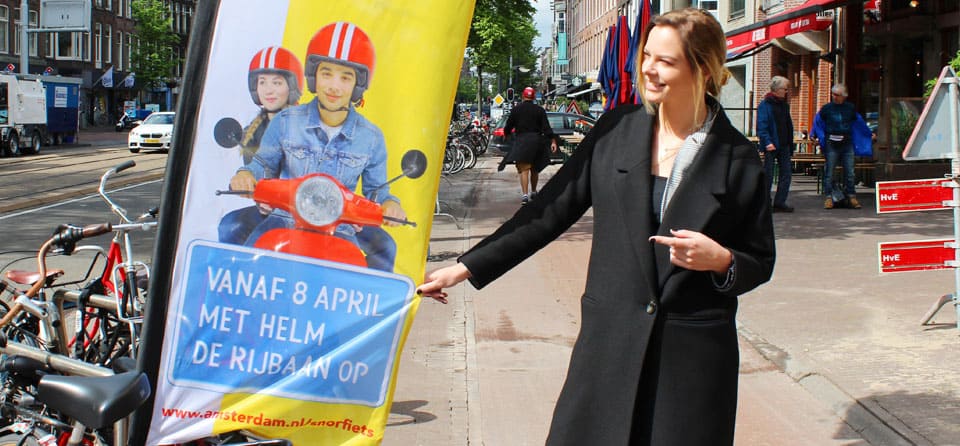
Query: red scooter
[[319, 203]]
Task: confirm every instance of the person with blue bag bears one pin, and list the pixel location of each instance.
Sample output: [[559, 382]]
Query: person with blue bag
[[842, 134]]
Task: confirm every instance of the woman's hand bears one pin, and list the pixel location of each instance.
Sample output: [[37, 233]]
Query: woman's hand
[[436, 281], [695, 251]]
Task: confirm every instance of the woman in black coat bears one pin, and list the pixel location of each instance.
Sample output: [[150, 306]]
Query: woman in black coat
[[681, 228]]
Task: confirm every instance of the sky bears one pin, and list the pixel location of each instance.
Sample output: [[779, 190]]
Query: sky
[[543, 20]]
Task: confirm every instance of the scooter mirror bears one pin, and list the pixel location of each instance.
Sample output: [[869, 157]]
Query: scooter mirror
[[413, 163], [228, 133]]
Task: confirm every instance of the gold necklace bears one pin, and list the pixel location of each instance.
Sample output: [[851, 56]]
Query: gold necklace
[[665, 154]]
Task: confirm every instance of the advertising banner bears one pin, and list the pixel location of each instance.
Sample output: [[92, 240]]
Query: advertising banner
[[311, 145]]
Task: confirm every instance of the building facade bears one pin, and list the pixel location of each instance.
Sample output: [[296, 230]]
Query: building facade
[[105, 50], [884, 51]]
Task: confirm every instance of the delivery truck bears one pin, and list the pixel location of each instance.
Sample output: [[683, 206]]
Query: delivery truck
[[37, 110]]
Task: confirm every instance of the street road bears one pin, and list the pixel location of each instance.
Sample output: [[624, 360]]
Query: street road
[[39, 192], [61, 172]]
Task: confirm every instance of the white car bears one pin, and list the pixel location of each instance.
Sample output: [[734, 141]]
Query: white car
[[155, 132]]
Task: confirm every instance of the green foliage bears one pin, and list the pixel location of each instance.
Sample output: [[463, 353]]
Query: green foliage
[[467, 89], [153, 61], [502, 29], [903, 117], [930, 83]]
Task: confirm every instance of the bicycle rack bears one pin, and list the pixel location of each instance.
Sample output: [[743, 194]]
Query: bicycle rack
[[437, 211]]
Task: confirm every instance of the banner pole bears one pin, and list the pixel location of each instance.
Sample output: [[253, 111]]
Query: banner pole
[[955, 176], [172, 197]]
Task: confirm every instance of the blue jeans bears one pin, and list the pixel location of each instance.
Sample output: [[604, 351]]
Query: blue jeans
[[245, 225], [782, 157], [836, 152]]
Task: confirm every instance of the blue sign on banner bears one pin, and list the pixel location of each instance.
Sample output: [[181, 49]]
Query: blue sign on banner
[[271, 323]]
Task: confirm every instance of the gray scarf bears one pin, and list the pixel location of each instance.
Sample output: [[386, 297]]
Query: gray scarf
[[688, 151]]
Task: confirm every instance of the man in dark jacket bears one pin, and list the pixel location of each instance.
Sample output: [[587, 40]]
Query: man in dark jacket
[[529, 150], [775, 131]]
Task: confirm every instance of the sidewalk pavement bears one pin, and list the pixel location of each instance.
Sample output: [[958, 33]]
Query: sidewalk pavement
[[832, 352], [102, 136]]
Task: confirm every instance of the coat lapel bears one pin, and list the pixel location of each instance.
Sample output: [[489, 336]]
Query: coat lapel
[[633, 189], [695, 199]]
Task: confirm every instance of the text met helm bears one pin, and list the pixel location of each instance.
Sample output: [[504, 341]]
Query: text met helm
[[345, 44], [276, 60]]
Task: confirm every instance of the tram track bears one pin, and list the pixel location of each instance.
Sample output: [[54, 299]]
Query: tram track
[[58, 174]]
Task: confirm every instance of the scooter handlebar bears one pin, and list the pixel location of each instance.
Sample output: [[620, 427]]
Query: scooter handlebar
[[402, 221]]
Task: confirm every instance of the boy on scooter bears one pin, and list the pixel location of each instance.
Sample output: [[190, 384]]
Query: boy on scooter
[[327, 135]]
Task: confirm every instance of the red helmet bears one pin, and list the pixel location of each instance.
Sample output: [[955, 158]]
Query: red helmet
[[529, 93], [345, 44], [276, 60]]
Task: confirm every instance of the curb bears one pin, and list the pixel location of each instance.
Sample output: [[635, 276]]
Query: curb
[[874, 428]]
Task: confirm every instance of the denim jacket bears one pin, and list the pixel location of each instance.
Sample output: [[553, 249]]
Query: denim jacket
[[294, 145]]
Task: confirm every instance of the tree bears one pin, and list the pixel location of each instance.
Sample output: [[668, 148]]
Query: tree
[[928, 86], [501, 29], [466, 90], [153, 61]]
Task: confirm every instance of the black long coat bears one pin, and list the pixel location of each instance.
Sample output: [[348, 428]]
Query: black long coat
[[674, 363]]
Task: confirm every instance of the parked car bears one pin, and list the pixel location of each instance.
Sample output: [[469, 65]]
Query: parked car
[[563, 124], [154, 133]]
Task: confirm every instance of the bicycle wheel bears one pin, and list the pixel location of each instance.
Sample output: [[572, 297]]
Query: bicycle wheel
[[458, 159], [19, 439], [452, 160], [469, 156]]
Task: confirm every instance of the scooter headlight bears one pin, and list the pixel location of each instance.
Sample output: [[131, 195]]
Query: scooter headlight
[[319, 201]]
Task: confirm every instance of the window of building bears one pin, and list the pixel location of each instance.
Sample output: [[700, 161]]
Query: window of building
[[108, 43], [70, 46], [709, 5], [4, 29], [128, 9], [31, 37], [120, 8], [120, 50], [97, 45], [99, 3], [129, 52], [737, 8], [108, 5], [561, 22], [767, 5]]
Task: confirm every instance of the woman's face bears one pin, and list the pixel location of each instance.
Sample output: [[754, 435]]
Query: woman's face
[[668, 76], [273, 91]]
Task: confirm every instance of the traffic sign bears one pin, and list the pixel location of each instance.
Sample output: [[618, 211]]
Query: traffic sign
[[498, 99], [931, 137], [918, 255], [914, 195]]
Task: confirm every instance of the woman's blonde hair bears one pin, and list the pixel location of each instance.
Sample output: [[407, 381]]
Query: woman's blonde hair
[[704, 47]]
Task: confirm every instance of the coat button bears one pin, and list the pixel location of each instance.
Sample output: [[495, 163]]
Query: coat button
[[651, 307]]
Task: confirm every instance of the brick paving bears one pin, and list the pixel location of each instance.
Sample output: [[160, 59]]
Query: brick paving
[[832, 353]]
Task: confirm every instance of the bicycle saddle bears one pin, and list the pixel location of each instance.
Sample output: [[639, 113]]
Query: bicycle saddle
[[30, 277], [95, 401]]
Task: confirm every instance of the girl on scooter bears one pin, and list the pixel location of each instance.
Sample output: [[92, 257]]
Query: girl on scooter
[[275, 80]]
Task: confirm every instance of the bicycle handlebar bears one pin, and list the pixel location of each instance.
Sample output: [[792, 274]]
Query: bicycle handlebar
[[124, 166]]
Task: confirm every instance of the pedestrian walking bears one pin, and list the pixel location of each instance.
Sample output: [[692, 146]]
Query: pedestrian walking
[[775, 132], [841, 131], [681, 227], [529, 151]]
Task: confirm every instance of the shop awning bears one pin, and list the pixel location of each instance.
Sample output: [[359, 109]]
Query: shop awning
[[795, 29], [591, 87]]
